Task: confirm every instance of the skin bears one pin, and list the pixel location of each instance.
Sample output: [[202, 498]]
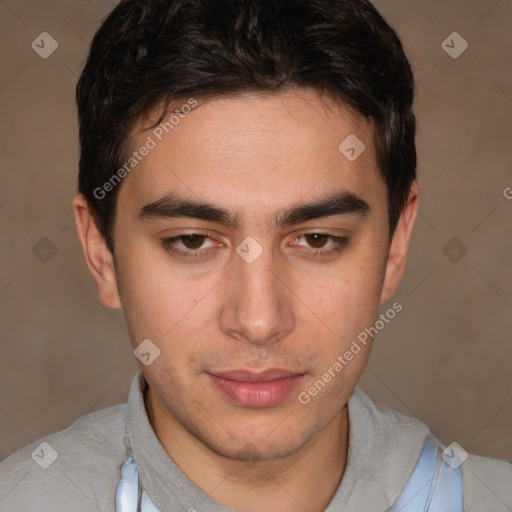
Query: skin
[[255, 155]]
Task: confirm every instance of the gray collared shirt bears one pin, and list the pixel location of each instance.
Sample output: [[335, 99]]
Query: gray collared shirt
[[78, 469]]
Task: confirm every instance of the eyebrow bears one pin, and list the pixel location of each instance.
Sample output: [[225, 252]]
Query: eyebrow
[[169, 206]]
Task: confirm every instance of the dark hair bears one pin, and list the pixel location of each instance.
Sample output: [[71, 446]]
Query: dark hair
[[149, 53]]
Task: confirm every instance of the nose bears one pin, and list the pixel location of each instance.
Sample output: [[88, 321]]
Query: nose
[[258, 306]]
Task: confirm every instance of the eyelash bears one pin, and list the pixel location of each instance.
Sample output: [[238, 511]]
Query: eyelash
[[338, 245]]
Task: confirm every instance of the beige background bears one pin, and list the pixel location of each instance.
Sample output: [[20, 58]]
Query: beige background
[[446, 358]]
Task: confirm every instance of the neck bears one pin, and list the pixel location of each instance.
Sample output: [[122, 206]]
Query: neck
[[304, 480]]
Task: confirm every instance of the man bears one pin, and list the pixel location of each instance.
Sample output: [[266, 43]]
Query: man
[[247, 195]]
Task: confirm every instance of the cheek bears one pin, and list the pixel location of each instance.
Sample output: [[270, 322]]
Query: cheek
[[347, 301], [157, 298]]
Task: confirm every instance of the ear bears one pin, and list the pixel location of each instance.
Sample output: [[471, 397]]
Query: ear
[[395, 265], [99, 259]]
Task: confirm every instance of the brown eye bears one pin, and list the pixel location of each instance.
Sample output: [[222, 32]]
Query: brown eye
[[316, 240], [321, 244], [192, 241], [191, 245]]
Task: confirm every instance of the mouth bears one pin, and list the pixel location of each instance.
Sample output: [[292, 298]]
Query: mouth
[[256, 389]]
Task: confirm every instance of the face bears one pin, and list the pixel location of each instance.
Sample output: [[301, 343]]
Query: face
[[250, 292]]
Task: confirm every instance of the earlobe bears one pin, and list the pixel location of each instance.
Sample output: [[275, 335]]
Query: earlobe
[[98, 257], [397, 256]]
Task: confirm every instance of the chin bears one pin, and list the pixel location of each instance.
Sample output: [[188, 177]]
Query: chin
[[257, 445]]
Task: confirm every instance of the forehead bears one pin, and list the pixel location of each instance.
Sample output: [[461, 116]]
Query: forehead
[[255, 152]]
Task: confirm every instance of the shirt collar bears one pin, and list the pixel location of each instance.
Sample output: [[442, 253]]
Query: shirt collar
[[383, 449]]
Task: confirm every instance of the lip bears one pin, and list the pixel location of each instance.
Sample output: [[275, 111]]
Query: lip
[[251, 389], [248, 376]]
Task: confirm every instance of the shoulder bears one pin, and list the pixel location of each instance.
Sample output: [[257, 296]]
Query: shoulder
[[75, 468], [487, 484]]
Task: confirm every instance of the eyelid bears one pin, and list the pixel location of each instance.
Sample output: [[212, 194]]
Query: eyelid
[[214, 237], [192, 231], [320, 231]]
